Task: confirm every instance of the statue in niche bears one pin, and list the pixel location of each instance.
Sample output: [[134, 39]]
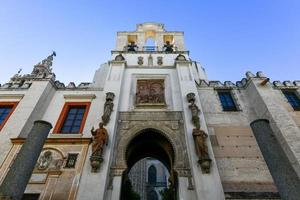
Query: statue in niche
[[132, 46], [202, 150], [168, 47], [150, 92], [44, 160], [108, 107], [100, 138]]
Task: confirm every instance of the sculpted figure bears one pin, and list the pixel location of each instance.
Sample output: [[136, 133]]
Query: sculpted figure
[[108, 107], [201, 147], [195, 114], [202, 150], [45, 160], [100, 138]]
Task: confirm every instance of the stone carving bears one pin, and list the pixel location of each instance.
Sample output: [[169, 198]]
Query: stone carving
[[140, 60], [44, 161], [194, 110], [50, 160], [159, 60], [43, 69], [108, 107], [199, 136], [150, 91], [202, 150], [100, 138]]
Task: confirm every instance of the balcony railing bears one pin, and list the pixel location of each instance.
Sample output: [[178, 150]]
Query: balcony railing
[[150, 48]]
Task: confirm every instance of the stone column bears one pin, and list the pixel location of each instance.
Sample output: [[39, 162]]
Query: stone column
[[16, 180], [283, 173]]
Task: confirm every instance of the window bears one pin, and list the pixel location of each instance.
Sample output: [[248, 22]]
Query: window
[[152, 175], [227, 101], [6, 109], [292, 98], [71, 160], [72, 118]]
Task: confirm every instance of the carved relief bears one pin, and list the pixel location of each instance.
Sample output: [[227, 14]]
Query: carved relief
[[140, 60], [50, 160], [150, 92], [159, 60]]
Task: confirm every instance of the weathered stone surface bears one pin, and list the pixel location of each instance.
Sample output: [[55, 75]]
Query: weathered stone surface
[[286, 179]]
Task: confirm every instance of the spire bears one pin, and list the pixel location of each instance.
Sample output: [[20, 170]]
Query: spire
[[44, 68]]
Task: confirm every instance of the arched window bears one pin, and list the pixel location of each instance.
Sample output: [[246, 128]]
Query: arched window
[[152, 195], [152, 175], [150, 44]]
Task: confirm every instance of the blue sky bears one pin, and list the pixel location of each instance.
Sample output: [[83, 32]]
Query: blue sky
[[228, 37]]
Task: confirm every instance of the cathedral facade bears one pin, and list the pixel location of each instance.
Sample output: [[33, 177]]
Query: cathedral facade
[[217, 140]]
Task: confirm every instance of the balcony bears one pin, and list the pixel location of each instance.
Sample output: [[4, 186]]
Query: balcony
[[150, 48]]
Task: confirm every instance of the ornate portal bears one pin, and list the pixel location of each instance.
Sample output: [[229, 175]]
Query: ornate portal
[[150, 92]]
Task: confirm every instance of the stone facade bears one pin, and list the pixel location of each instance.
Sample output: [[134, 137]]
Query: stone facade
[[150, 109]]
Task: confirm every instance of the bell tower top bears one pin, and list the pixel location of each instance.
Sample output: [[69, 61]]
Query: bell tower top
[[160, 39], [150, 26]]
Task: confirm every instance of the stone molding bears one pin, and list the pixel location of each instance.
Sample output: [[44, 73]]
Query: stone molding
[[169, 124]]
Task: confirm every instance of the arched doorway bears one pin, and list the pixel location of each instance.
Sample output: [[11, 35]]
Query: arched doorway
[[150, 143], [160, 135]]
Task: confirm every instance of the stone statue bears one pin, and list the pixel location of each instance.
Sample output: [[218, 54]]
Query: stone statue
[[202, 150], [100, 138], [195, 114], [45, 160], [108, 107]]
